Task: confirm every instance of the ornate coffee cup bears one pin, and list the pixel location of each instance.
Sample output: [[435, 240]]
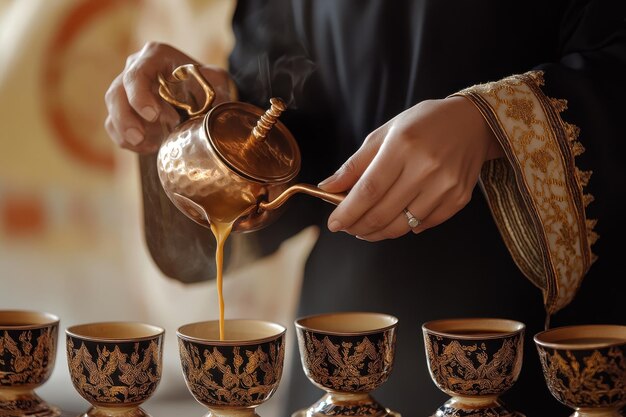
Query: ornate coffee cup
[[28, 341], [585, 367], [348, 355], [474, 360], [116, 366], [231, 377]]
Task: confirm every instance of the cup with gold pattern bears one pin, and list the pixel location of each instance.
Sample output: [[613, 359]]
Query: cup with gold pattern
[[348, 355], [585, 367], [28, 341], [115, 366], [233, 375], [474, 360]]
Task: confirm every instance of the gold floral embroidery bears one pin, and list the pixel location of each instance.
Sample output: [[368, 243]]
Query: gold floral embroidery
[[327, 406], [521, 109], [350, 366], [536, 193], [114, 375], [232, 378], [27, 360], [453, 365], [590, 381], [541, 159], [27, 404]]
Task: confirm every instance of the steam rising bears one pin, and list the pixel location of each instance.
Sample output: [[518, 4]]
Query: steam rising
[[284, 78]]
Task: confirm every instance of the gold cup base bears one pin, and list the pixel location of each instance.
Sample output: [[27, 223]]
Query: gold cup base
[[303, 413], [475, 407], [346, 404], [115, 412], [18, 403], [232, 412], [595, 412]]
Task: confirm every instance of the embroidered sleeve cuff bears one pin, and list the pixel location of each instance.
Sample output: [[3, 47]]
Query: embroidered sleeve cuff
[[536, 192]]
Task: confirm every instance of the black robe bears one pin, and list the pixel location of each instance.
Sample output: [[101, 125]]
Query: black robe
[[349, 66]]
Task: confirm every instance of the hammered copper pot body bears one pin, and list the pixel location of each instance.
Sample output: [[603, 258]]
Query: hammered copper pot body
[[585, 367], [28, 341], [192, 171], [233, 163]]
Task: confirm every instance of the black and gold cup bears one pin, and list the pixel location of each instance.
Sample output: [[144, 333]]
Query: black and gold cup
[[115, 366], [28, 343], [475, 361], [348, 355], [234, 375], [585, 367]]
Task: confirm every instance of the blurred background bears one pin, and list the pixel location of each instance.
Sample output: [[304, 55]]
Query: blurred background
[[71, 238]]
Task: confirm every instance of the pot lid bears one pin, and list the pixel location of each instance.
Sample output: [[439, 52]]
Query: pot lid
[[269, 155]]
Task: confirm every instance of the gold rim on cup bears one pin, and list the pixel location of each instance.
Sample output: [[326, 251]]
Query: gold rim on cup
[[347, 323], [207, 332], [123, 331]]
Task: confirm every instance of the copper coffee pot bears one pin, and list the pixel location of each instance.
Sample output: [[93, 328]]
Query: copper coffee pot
[[234, 162]]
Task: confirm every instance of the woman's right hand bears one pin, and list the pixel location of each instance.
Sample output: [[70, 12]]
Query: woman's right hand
[[138, 118]]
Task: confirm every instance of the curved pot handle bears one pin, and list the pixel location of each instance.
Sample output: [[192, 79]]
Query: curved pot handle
[[181, 74]]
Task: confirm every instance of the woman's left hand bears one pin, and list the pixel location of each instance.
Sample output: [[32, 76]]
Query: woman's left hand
[[427, 160]]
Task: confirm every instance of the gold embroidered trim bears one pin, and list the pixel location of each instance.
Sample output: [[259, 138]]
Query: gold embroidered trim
[[536, 193]]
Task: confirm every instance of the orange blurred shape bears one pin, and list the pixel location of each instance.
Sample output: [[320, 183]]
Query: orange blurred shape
[[22, 216]]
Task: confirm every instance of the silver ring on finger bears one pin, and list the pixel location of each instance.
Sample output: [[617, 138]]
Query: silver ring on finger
[[411, 219]]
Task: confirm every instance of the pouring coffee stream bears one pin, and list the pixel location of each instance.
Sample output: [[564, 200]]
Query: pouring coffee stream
[[229, 167]]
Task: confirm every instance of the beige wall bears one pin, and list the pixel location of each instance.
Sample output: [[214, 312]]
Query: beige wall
[[70, 209]]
